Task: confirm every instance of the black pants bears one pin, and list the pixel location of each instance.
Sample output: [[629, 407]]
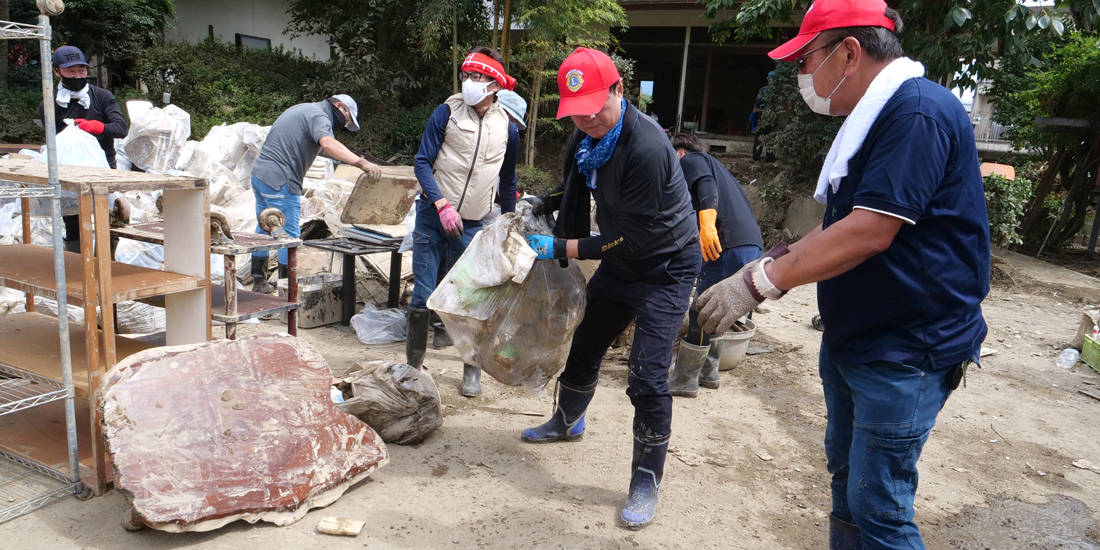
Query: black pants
[[656, 302], [72, 227]]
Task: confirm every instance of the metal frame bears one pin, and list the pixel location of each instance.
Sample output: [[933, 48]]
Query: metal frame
[[19, 399]]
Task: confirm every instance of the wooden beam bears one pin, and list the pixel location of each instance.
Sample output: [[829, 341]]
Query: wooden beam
[[683, 82]]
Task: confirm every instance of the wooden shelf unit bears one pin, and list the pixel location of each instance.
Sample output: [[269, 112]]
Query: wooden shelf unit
[[94, 281]]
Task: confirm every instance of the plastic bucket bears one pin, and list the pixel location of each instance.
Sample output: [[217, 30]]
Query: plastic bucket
[[733, 344]]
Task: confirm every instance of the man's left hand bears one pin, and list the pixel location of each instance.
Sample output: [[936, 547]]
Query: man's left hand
[[93, 127], [726, 302]]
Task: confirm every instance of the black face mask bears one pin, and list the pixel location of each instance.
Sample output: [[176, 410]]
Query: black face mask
[[341, 121], [74, 84]]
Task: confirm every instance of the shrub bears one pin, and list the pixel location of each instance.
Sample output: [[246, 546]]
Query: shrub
[[1005, 200], [533, 181], [18, 111]]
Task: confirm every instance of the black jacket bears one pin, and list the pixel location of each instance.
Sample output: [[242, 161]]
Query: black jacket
[[712, 186], [643, 208], [104, 108]]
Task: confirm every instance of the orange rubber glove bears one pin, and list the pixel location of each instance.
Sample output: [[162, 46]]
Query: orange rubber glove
[[708, 234]]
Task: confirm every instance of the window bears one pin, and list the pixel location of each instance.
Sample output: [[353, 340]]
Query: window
[[253, 42]]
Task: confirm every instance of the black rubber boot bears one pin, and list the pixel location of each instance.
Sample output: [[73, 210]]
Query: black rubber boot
[[708, 375], [683, 377], [647, 469], [259, 276], [567, 423], [440, 338], [471, 381], [843, 535], [416, 336], [284, 271], [72, 246]]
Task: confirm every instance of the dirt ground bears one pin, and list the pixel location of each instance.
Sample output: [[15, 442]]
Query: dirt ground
[[748, 472]]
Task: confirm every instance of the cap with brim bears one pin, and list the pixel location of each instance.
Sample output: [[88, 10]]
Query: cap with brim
[[514, 105], [353, 108], [833, 14], [68, 56], [584, 80]]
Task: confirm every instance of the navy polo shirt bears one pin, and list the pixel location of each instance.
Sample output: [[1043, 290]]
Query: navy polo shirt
[[921, 298]]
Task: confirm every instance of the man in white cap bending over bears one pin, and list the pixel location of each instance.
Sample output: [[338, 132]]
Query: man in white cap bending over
[[297, 136]]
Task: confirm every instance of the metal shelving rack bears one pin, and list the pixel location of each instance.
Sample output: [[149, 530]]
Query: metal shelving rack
[[26, 486]]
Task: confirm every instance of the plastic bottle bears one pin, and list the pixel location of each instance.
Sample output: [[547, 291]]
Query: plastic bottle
[[1068, 358]]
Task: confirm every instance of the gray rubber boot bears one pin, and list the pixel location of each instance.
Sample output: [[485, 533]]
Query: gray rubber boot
[[259, 276], [471, 381], [416, 336], [440, 338], [683, 377], [708, 376], [843, 535]]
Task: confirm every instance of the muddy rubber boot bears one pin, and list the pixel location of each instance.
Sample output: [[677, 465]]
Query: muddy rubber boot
[[567, 423], [683, 377], [843, 535], [647, 469], [440, 338], [72, 246], [416, 336], [708, 375], [471, 381], [259, 276], [284, 271]]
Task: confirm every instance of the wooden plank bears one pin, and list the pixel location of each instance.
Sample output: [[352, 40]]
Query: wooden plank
[[386, 201], [25, 205], [27, 267], [38, 434], [243, 243], [103, 274], [187, 251], [82, 178], [93, 347], [250, 305], [30, 342]]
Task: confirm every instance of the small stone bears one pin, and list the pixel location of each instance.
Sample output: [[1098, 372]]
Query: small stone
[[765, 457], [227, 395], [238, 407]]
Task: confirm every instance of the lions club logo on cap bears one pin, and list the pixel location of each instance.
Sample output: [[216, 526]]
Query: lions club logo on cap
[[574, 80]]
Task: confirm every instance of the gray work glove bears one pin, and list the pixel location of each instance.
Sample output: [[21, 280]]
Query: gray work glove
[[726, 302]]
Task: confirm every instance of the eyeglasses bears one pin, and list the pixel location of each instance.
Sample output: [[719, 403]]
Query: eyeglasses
[[800, 61], [476, 77]]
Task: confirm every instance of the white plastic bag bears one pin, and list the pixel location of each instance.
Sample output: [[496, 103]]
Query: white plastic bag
[[517, 331], [78, 148], [379, 326], [157, 137]]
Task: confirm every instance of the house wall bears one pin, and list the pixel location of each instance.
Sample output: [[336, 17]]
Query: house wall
[[261, 18]]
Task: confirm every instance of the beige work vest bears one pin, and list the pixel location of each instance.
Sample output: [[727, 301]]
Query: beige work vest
[[467, 168]]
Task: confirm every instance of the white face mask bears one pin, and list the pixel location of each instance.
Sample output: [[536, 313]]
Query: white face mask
[[475, 92], [817, 104]]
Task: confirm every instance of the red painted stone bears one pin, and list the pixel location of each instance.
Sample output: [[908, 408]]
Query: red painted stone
[[206, 434]]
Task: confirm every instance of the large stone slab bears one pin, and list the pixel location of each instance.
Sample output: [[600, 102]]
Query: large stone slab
[[206, 434]]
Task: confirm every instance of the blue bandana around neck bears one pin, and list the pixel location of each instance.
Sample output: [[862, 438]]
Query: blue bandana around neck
[[590, 159]]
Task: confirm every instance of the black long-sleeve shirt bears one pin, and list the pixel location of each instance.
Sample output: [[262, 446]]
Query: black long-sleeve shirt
[[642, 203], [713, 187], [104, 108]]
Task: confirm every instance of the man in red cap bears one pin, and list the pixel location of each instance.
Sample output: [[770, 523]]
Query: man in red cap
[[649, 247], [467, 155], [901, 262]]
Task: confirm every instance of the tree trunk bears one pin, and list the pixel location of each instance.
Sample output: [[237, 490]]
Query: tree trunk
[[4, 16], [533, 117], [454, 48], [1073, 220], [496, 24], [1034, 208]]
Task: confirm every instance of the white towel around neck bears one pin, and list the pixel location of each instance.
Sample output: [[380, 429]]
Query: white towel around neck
[[854, 130], [65, 95]]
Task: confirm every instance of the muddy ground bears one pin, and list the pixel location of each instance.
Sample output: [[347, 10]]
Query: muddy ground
[[750, 472]]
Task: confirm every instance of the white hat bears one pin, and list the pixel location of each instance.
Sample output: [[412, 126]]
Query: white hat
[[352, 108], [515, 105]]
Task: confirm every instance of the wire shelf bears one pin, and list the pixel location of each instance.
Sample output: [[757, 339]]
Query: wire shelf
[[23, 489], [20, 31], [17, 394], [14, 189]]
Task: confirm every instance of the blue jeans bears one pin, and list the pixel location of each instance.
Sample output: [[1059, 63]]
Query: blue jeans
[[434, 251], [729, 262], [290, 205], [879, 416], [656, 303]]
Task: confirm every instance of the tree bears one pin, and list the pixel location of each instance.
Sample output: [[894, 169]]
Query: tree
[[560, 25], [959, 43]]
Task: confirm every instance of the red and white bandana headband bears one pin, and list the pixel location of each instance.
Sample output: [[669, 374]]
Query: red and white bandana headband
[[481, 63]]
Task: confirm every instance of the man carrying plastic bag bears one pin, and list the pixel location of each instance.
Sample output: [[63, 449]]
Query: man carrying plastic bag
[[649, 247]]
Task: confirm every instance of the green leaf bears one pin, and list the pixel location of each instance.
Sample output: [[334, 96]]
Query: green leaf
[[959, 16], [1010, 15], [1044, 21], [1031, 21], [1058, 26]]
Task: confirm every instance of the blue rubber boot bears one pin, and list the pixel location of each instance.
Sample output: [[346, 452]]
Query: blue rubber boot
[[567, 424], [843, 535], [647, 469]]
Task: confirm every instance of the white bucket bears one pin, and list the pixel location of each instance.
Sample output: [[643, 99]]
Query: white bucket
[[733, 344]]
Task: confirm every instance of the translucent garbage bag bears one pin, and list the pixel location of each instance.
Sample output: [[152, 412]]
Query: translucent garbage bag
[[508, 313], [398, 401], [157, 138], [379, 326], [78, 148]]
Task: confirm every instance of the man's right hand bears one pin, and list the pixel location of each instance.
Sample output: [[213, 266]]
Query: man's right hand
[[370, 169], [452, 222], [536, 205]]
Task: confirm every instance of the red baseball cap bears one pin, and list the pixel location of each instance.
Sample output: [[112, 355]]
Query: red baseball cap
[[583, 82], [833, 14]]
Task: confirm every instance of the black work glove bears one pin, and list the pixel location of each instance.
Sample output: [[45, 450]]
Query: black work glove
[[536, 205]]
